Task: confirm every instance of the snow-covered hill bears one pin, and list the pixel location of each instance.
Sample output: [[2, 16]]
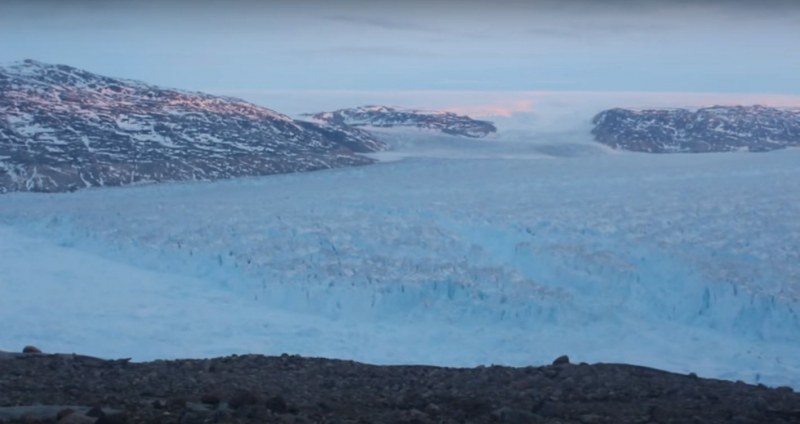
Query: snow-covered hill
[[63, 128], [713, 129], [388, 117]]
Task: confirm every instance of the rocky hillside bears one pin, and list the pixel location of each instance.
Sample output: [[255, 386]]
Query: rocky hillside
[[63, 128], [713, 129], [387, 117], [290, 389]]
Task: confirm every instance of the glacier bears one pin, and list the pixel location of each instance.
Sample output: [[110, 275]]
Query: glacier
[[464, 257]]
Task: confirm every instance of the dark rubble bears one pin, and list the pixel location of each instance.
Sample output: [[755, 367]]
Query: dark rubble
[[293, 389]]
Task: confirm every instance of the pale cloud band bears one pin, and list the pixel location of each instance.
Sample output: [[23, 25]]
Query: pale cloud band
[[483, 45], [489, 104]]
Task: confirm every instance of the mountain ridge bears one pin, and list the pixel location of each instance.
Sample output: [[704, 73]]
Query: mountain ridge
[[380, 116], [754, 128], [63, 128]]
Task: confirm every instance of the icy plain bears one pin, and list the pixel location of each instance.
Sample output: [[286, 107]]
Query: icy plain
[[494, 255]]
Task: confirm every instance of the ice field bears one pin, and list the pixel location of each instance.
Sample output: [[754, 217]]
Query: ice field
[[689, 263]]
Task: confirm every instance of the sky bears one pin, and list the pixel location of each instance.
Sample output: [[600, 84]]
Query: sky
[[260, 50]]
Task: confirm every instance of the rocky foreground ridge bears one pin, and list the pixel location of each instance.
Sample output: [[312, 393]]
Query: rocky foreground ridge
[[389, 117], [63, 128], [712, 129], [38, 388]]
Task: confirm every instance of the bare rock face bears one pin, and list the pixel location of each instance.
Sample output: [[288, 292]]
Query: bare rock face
[[63, 128], [387, 117], [713, 129]]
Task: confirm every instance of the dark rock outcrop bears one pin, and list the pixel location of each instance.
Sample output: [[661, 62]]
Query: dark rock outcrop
[[63, 128], [31, 349], [713, 129]]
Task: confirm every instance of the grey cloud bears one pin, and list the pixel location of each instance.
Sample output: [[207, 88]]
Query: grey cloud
[[435, 19], [600, 28], [369, 51], [382, 23], [649, 5], [386, 14]]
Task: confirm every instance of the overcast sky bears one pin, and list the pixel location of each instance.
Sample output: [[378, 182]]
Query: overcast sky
[[257, 47]]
